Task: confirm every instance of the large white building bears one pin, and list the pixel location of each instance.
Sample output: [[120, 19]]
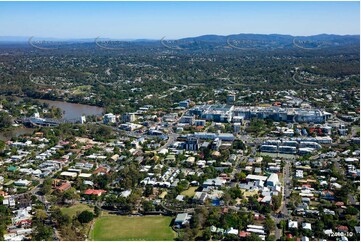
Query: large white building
[[109, 118], [272, 180], [225, 113]]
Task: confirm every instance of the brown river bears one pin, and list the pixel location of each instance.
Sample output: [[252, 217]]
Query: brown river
[[71, 111]]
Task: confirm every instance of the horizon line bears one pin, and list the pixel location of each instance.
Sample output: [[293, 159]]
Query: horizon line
[[156, 39]]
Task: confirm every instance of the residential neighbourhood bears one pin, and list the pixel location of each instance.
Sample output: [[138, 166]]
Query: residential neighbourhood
[[180, 121], [208, 174]]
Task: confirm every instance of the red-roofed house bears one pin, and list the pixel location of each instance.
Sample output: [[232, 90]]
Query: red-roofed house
[[94, 192], [100, 170], [199, 128], [277, 104], [342, 228], [25, 222], [340, 204], [224, 210], [3, 194], [63, 187], [244, 234]]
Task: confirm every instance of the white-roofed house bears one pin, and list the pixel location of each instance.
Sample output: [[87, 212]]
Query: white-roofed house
[[272, 180], [232, 231], [292, 224], [306, 226], [182, 219]]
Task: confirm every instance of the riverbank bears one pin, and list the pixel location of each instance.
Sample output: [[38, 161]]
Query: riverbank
[[70, 112], [73, 111]]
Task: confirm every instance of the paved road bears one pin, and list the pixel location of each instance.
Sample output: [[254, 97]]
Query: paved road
[[171, 138], [33, 191], [236, 167], [286, 191], [338, 166]]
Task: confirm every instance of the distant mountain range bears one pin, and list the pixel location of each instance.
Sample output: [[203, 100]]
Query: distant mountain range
[[241, 41], [273, 37], [249, 41], [205, 38]]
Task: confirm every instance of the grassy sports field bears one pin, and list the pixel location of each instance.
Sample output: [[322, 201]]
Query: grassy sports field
[[113, 227]]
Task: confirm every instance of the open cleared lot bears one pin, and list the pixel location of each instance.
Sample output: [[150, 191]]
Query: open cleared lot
[[112, 227], [72, 210], [190, 191], [249, 194]]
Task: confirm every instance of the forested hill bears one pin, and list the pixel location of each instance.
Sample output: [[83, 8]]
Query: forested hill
[[240, 41]]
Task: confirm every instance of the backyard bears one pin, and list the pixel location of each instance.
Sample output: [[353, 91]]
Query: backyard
[[190, 191]]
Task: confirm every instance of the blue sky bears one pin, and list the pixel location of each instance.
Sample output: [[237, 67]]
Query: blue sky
[[175, 19]]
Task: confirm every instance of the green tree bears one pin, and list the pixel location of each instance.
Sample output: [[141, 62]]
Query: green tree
[[60, 218], [5, 120], [240, 176], [70, 195], [85, 217], [206, 236], [2, 145], [148, 191], [42, 232], [46, 187], [238, 144], [277, 201], [41, 215], [253, 237], [97, 211], [235, 192], [5, 215], [352, 210], [147, 206], [269, 224]]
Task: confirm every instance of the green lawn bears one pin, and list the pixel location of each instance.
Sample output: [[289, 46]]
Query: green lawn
[[81, 89], [72, 210], [113, 227], [189, 192], [248, 194]]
